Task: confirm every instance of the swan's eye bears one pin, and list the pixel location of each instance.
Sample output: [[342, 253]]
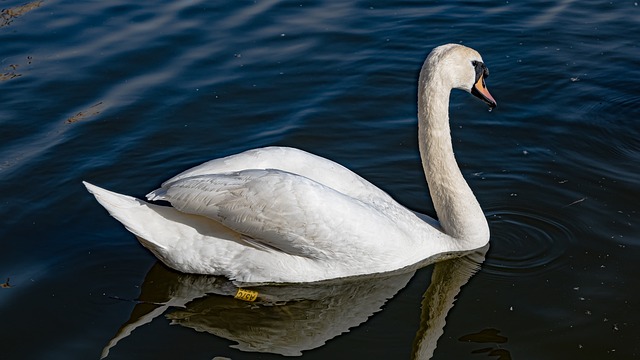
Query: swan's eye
[[481, 69]]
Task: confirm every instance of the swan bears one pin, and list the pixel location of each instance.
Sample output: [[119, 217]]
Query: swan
[[282, 215]]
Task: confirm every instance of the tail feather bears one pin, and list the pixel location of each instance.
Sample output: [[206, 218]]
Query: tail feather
[[128, 210], [185, 242], [111, 200]]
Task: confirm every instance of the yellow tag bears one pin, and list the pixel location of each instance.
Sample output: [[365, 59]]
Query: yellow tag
[[246, 295]]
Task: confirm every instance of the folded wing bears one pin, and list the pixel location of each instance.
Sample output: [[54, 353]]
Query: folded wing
[[285, 211]]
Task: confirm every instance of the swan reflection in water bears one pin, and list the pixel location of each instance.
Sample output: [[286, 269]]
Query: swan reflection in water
[[289, 319]]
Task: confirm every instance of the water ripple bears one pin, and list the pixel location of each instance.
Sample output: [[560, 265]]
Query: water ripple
[[523, 242]]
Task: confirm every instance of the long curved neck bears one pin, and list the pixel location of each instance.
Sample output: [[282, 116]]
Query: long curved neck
[[459, 213]]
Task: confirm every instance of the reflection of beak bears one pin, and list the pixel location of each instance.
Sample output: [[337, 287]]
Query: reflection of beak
[[480, 91]]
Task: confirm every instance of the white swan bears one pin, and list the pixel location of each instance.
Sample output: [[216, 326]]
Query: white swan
[[276, 214]]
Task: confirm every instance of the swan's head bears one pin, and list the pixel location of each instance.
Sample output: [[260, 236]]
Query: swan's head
[[460, 67]]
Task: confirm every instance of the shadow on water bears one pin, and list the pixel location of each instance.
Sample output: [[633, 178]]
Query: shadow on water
[[290, 319]]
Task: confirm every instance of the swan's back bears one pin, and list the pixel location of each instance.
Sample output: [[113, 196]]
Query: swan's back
[[295, 161]]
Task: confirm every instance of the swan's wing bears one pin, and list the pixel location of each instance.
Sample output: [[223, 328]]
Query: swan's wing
[[284, 211], [319, 169]]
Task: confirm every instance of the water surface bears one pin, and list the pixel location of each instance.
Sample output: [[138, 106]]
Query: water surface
[[127, 94]]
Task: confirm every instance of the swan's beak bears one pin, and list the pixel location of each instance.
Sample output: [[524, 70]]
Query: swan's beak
[[480, 91]]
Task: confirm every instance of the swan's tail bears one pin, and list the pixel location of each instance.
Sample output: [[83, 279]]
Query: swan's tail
[[177, 239], [111, 200], [130, 211]]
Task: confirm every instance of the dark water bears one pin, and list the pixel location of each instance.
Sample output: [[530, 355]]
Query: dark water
[[126, 94]]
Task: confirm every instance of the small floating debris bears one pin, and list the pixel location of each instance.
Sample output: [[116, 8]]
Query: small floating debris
[[11, 74], [11, 71], [93, 110], [7, 15], [6, 284], [575, 202]]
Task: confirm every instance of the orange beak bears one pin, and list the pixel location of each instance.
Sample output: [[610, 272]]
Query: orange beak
[[480, 91]]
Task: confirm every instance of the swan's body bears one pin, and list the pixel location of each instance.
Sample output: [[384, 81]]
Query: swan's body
[[283, 215]]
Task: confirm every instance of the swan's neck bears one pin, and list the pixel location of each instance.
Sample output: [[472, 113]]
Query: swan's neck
[[458, 210]]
